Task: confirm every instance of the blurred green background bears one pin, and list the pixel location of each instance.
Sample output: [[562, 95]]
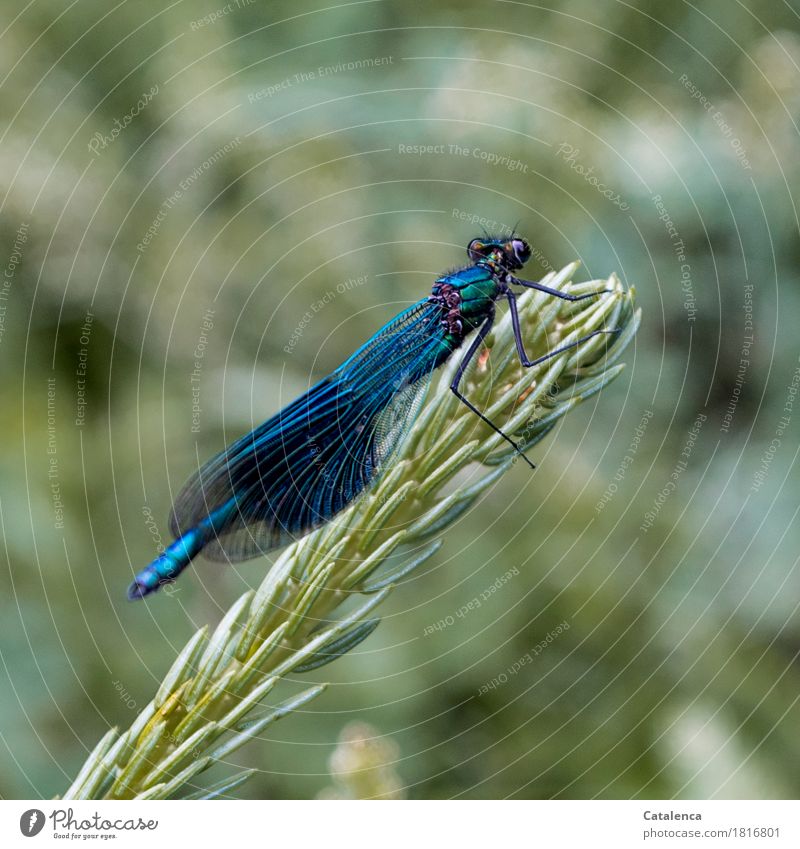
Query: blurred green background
[[242, 179]]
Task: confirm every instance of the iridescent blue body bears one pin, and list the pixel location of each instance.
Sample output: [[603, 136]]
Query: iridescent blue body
[[309, 461]]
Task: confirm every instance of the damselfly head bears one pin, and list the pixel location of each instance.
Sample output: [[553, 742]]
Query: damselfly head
[[510, 252]]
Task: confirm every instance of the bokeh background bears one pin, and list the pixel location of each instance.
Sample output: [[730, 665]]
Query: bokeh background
[[245, 180]]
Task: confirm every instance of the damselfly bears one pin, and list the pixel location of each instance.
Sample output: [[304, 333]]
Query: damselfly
[[304, 465]]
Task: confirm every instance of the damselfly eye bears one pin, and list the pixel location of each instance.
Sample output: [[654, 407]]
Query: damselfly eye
[[476, 249], [522, 250]]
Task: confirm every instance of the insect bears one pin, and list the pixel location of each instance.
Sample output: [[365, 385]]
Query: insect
[[304, 465]]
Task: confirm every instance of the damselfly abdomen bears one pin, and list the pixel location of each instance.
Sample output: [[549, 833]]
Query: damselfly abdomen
[[304, 465]]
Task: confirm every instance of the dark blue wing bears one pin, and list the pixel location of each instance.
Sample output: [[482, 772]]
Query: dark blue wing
[[308, 462]]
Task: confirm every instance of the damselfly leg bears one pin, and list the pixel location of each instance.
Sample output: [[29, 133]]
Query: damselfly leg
[[523, 357], [483, 332], [529, 284]]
